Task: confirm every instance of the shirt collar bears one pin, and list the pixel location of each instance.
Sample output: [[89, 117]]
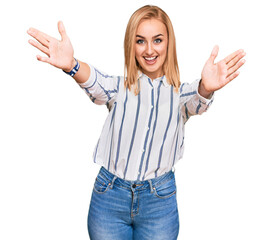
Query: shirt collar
[[163, 78]]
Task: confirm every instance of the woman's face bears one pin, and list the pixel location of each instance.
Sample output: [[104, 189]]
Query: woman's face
[[151, 47]]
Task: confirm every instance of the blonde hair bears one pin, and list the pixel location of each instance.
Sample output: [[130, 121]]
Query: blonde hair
[[131, 68]]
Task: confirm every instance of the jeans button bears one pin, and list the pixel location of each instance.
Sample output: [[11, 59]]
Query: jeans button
[[134, 185]]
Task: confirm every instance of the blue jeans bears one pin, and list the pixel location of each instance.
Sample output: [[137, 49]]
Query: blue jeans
[[133, 210]]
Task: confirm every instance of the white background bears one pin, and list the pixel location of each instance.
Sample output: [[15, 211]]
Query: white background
[[49, 127]]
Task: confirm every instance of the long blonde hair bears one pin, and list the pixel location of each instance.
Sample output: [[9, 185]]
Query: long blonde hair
[[131, 68]]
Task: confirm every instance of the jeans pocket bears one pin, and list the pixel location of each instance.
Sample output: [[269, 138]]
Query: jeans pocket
[[101, 184], [165, 190]]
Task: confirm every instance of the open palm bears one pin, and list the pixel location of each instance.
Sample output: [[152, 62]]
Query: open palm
[[217, 75], [59, 52]]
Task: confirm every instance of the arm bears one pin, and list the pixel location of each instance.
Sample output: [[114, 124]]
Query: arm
[[83, 73], [101, 88], [191, 101], [59, 52], [195, 98]]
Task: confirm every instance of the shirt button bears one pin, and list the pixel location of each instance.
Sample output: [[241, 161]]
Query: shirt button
[[143, 150], [152, 106]]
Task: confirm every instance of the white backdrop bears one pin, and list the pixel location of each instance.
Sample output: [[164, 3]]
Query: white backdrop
[[49, 127]]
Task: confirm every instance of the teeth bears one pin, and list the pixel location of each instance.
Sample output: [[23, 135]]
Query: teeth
[[149, 59]]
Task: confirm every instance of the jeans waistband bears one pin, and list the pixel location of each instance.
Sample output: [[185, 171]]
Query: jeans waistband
[[136, 184]]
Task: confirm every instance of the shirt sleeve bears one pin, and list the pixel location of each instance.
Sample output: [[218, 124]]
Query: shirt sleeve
[[100, 87], [191, 102]]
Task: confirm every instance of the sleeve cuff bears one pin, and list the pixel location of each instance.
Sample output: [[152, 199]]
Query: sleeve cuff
[[201, 98]]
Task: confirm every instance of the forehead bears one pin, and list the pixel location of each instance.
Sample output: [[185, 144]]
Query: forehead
[[151, 27]]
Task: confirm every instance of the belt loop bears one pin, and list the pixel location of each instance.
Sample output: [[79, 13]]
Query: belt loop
[[114, 178], [151, 185]]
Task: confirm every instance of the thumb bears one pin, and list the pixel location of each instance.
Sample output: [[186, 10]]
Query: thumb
[[214, 54], [62, 30]]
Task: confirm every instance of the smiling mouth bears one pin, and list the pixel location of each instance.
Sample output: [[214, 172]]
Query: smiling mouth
[[150, 60]]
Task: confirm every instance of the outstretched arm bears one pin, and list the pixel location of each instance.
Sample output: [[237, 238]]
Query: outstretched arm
[[217, 75], [100, 87], [59, 52]]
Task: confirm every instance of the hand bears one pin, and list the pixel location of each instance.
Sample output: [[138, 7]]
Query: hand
[[217, 75], [60, 53]]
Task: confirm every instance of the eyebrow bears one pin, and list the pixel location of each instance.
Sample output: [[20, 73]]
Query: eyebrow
[[158, 35]]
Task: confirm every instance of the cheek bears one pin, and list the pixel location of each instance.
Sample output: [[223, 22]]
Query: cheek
[[137, 55], [137, 52], [163, 50]]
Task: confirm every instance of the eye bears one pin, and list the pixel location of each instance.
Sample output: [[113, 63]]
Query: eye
[[140, 41], [158, 40]]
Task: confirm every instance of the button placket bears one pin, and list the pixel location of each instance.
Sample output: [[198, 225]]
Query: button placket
[[148, 130]]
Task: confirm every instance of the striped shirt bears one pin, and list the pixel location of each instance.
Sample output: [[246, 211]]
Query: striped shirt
[[143, 135]]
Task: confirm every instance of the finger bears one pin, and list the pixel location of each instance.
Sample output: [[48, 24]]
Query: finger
[[41, 37], [39, 46], [232, 76], [233, 55], [235, 60], [43, 59], [235, 68], [214, 53], [61, 29]]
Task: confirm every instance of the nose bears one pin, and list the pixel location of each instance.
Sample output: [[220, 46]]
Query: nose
[[149, 49]]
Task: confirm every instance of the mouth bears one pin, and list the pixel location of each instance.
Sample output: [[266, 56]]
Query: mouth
[[150, 60]]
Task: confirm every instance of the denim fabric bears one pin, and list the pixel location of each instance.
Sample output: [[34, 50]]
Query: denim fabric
[[133, 210]]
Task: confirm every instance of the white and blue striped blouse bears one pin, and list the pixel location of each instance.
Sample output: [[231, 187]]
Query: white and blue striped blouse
[[143, 135]]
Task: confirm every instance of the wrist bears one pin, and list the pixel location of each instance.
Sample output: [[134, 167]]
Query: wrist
[[203, 91], [74, 69], [71, 66]]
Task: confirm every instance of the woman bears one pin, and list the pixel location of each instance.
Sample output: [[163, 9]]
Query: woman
[[134, 195]]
